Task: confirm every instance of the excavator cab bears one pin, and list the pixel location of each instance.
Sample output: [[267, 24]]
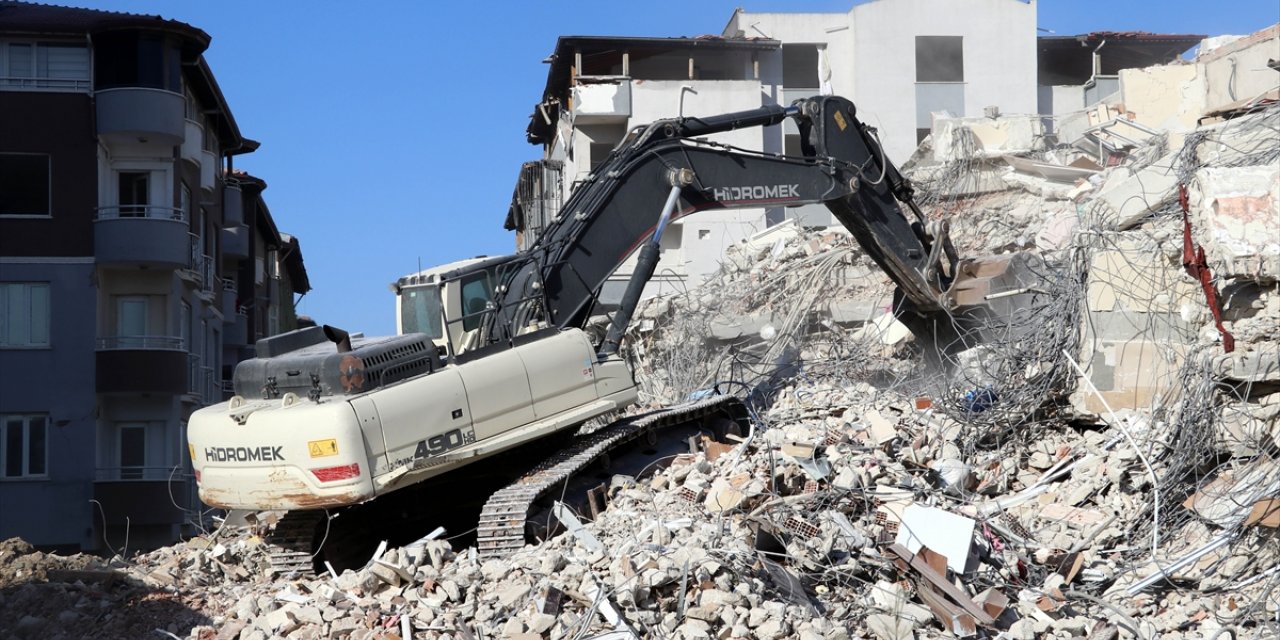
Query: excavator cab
[[449, 303]]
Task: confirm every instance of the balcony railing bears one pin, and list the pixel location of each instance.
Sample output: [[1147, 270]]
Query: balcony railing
[[131, 113], [200, 265], [209, 169], [141, 343], [192, 141], [201, 381], [133, 211], [207, 277], [62, 84]]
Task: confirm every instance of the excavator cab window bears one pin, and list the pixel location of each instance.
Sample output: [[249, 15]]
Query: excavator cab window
[[470, 303], [421, 311], [477, 295]]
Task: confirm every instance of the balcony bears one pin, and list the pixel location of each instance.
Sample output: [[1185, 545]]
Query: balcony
[[199, 267], [193, 142], [141, 113], [232, 205], [201, 385], [229, 294], [235, 242], [602, 99], [208, 170], [141, 364], [143, 495], [140, 234]]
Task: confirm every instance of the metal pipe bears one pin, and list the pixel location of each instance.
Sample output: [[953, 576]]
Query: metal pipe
[[645, 266], [761, 117]]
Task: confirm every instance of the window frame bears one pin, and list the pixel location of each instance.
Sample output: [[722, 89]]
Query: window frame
[[935, 42], [141, 469], [48, 315], [48, 186], [44, 83], [25, 473]]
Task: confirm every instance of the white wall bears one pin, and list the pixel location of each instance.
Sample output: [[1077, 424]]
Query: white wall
[[871, 52], [1238, 71], [999, 60]]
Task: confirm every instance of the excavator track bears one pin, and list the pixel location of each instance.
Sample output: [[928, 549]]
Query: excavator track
[[501, 528], [290, 545]]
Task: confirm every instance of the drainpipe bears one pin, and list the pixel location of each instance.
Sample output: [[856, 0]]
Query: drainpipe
[[1097, 61]]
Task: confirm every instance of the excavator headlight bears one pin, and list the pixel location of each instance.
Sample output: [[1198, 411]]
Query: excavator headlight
[[334, 474]]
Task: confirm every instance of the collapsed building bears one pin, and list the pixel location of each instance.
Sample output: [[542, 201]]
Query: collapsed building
[[1108, 469]]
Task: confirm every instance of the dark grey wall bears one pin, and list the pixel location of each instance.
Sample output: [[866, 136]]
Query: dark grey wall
[[58, 381]]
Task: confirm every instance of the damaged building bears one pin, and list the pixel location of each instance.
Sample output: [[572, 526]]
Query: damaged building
[[900, 61]]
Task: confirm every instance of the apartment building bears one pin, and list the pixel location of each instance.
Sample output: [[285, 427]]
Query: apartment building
[[898, 60], [135, 269]]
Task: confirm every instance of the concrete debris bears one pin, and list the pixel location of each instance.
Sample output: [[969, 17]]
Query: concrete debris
[[1237, 212], [872, 496]]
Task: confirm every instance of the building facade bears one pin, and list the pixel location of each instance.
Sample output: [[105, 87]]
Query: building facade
[[127, 256], [898, 60]]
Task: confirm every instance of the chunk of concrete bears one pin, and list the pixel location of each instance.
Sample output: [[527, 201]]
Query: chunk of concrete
[[1129, 198], [942, 531], [993, 137], [1235, 214]]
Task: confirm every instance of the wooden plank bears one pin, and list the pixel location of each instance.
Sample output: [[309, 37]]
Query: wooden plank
[[921, 565], [955, 619]]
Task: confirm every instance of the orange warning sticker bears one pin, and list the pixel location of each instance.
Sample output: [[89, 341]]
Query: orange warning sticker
[[840, 121]]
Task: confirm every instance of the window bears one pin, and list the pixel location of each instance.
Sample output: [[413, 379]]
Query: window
[[23, 446], [131, 321], [192, 111], [210, 137], [135, 193], [477, 292], [599, 152], [44, 65], [24, 184], [132, 450], [939, 80], [186, 202], [24, 314], [420, 311], [128, 59], [939, 59], [800, 66]]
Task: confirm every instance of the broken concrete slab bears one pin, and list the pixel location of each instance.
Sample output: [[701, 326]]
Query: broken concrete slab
[[993, 137], [944, 532], [1128, 198], [1235, 215]]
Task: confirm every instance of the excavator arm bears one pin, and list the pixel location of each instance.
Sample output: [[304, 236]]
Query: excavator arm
[[620, 206]]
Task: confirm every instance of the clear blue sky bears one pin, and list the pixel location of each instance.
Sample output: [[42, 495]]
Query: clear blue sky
[[392, 132]]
